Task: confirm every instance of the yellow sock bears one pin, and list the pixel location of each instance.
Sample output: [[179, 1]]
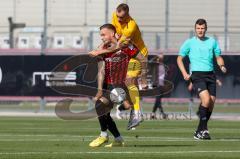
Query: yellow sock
[[134, 95]]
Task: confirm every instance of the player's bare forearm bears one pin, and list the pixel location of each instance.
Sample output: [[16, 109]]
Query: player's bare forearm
[[180, 64], [220, 61], [101, 74], [101, 46], [100, 77], [113, 48], [108, 48], [221, 64], [107, 51], [95, 53]]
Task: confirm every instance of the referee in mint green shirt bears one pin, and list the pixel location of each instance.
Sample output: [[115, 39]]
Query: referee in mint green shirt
[[201, 51]]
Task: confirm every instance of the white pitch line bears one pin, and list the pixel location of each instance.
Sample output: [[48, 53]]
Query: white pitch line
[[87, 138], [33, 140], [127, 140], [116, 152]]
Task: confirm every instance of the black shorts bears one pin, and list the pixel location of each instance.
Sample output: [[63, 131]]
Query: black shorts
[[204, 81]]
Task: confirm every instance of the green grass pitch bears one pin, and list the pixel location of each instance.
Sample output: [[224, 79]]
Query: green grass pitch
[[53, 138]]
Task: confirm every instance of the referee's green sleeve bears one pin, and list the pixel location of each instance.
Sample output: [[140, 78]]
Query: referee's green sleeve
[[217, 50], [184, 49]]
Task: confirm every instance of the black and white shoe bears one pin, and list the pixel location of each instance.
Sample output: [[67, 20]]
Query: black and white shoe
[[134, 120], [202, 135], [197, 135], [205, 135]]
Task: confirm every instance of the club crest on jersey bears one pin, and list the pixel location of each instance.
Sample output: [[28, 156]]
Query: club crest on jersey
[[113, 59]]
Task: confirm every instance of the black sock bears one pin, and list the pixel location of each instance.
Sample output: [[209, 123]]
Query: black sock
[[203, 118], [209, 113], [112, 126], [121, 107], [198, 113], [154, 109], [157, 104], [161, 109], [103, 122]]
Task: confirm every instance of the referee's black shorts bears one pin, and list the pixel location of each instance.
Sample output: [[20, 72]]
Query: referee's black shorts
[[204, 81]]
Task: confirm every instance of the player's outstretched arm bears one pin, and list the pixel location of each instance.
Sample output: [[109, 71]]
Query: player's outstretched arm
[[108, 48]]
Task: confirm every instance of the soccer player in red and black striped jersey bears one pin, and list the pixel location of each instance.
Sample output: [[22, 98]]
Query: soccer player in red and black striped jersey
[[112, 71], [116, 65]]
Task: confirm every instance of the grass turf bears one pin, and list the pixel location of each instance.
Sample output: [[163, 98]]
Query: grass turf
[[38, 138]]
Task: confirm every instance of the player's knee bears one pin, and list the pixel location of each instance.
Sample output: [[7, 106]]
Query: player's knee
[[206, 101], [99, 104], [213, 100], [102, 108], [127, 105]]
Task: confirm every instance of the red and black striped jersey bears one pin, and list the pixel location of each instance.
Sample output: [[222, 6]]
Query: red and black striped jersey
[[116, 65]]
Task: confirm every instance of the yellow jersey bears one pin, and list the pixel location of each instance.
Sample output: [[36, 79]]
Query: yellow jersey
[[130, 30]]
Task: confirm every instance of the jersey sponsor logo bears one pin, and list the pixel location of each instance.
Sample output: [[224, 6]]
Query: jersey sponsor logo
[[113, 59]]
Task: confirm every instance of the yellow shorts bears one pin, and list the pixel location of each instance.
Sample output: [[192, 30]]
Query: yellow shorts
[[134, 68]]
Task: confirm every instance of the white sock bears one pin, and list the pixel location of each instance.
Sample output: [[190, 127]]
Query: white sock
[[119, 138], [104, 134]]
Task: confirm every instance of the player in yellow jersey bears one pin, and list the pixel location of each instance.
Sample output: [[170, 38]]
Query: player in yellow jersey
[[128, 30]]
